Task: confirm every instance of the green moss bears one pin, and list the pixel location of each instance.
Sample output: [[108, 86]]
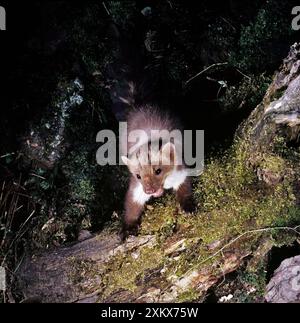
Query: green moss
[[256, 44], [230, 201], [124, 270], [273, 163], [189, 296], [253, 285], [290, 154], [159, 218], [122, 12], [278, 94], [80, 269], [246, 94]]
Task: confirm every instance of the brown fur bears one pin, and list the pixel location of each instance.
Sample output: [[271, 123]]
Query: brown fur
[[184, 196], [133, 213], [148, 119]]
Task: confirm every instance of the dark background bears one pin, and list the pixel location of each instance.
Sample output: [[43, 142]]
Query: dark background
[[48, 44]]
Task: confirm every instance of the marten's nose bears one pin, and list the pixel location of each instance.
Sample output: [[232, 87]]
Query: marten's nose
[[150, 191]]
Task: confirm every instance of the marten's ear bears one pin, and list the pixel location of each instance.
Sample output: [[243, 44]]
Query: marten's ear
[[132, 164], [168, 154], [125, 160]]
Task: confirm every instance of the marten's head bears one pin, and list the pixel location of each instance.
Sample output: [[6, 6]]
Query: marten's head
[[151, 168]]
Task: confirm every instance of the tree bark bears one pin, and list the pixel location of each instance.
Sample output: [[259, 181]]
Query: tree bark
[[74, 273]]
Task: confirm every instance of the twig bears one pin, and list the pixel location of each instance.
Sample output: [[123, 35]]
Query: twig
[[239, 237], [228, 22], [3, 186], [220, 88], [95, 293], [7, 155], [170, 4], [19, 208], [19, 264], [203, 71], [25, 195], [38, 176], [23, 224], [106, 9], [223, 274], [211, 66], [248, 77], [18, 236]]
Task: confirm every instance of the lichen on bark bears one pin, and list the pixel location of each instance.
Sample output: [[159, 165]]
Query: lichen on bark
[[247, 201]]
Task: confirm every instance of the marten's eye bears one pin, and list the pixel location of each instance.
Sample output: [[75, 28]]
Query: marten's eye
[[138, 176], [158, 171]]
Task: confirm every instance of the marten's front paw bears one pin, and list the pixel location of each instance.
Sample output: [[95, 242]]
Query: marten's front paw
[[126, 231], [188, 207]]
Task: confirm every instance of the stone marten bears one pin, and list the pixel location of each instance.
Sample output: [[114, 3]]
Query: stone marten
[[152, 170]]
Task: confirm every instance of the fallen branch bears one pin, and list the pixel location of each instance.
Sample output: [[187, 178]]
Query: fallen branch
[[238, 238], [203, 71]]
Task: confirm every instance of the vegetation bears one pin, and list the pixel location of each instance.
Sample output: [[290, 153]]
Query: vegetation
[[218, 60], [231, 201]]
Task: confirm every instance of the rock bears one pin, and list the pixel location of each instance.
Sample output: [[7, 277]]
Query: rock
[[65, 274], [178, 258], [147, 11], [279, 113], [284, 287], [275, 125], [84, 235]]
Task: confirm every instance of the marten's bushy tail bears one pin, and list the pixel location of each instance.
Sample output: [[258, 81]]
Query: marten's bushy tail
[[130, 84]]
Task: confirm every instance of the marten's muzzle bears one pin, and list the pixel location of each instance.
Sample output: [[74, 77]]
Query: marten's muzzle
[[155, 193]]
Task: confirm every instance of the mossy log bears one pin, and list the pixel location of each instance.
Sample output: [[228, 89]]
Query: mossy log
[[243, 203], [75, 273]]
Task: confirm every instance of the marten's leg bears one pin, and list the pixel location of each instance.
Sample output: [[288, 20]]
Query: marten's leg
[[134, 206], [184, 196]]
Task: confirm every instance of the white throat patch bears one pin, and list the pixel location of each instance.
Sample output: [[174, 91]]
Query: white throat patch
[[139, 196], [175, 179]]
